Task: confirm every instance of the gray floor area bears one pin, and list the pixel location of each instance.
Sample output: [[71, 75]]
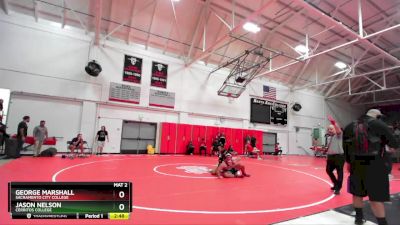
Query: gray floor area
[[392, 209], [4, 161], [345, 215], [330, 217]]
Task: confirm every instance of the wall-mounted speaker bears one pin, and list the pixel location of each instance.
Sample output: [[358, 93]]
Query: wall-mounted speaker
[[296, 107], [93, 68]]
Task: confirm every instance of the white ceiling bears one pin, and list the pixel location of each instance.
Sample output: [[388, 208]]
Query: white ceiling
[[209, 30]]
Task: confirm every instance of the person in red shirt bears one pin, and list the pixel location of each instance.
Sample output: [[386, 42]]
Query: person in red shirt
[[250, 150], [278, 150], [228, 166]]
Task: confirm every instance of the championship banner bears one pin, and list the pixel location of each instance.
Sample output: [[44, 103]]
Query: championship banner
[[159, 74], [162, 99], [124, 93], [132, 69]]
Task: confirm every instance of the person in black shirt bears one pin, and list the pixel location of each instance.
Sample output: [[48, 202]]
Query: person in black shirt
[[214, 150], [368, 174], [253, 141], [190, 148], [222, 139], [3, 133], [22, 132], [101, 138], [76, 142]]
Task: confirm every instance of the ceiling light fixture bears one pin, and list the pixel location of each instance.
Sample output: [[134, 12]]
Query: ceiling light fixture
[[251, 27], [340, 65], [301, 49]]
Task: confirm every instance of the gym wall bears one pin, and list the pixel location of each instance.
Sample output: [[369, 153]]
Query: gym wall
[[51, 64]]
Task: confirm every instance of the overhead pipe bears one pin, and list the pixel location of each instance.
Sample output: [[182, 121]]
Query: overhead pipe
[[310, 57], [317, 12], [347, 78]]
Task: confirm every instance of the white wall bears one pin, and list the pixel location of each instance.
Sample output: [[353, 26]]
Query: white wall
[[45, 60], [63, 118]]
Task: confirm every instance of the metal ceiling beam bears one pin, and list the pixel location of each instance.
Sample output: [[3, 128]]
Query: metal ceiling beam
[[63, 14], [373, 42], [379, 80], [315, 11], [384, 15], [177, 28], [291, 16], [303, 69], [289, 37], [36, 10], [151, 24], [233, 12], [350, 77], [97, 19], [202, 17], [375, 83], [4, 4], [131, 15], [380, 101], [169, 35], [350, 18], [126, 22], [363, 92], [351, 69], [212, 48], [79, 19], [333, 87], [216, 37], [353, 90], [222, 20], [311, 56]]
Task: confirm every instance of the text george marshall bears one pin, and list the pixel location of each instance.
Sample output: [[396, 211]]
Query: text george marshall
[[43, 194]]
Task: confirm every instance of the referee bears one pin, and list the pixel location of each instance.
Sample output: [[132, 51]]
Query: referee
[[335, 154]]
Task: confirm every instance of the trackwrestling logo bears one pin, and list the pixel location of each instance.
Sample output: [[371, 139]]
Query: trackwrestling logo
[[194, 169]]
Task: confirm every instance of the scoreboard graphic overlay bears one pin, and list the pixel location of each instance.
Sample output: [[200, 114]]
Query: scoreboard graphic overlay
[[70, 200]]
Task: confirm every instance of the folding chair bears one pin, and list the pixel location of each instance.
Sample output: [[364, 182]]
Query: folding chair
[[85, 154]]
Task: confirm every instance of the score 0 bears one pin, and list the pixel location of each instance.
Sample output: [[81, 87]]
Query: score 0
[[121, 193]]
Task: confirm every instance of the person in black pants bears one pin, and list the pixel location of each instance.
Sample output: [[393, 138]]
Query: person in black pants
[[253, 141], [203, 147], [368, 173], [222, 139], [215, 145], [22, 132], [190, 148], [335, 154]]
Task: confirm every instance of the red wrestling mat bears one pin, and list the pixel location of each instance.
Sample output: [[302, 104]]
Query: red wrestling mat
[[179, 189]]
